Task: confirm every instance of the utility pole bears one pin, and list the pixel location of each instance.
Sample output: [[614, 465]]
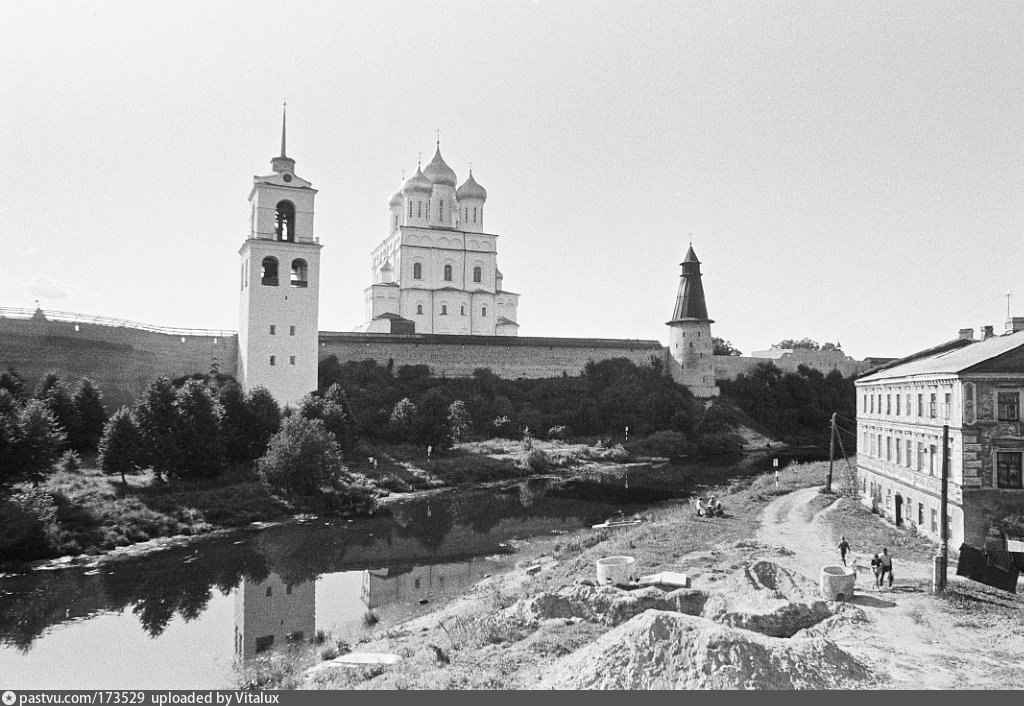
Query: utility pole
[[831, 453], [942, 558]]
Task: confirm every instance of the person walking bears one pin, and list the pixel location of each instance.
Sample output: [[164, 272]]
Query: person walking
[[844, 547], [876, 567], [885, 567]]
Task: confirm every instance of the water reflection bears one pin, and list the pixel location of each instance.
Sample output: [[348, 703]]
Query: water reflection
[[272, 612]]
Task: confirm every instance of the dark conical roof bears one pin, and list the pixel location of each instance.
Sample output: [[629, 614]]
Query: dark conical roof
[[690, 303]]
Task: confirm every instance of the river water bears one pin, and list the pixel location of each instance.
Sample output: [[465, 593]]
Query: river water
[[183, 618]]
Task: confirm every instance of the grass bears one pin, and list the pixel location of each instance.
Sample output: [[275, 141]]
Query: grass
[[867, 532]]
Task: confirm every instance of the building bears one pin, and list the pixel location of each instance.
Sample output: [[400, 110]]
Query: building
[[436, 271], [278, 327], [271, 613], [690, 346], [975, 388]]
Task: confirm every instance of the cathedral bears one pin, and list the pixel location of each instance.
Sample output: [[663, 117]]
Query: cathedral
[[436, 270]]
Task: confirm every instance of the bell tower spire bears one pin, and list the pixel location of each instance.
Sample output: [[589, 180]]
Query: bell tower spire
[[283, 164], [284, 126]]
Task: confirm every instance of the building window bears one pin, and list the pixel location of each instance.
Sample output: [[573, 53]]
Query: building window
[[909, 454], [920, 513], [447, 273], [467, 214], [931, 459], [478, 274], [417, 270], [1008, 470], [300, 273], [428, 209], [899, 451], [474, 214], [285, 221], [920, 404], [948, 405], [268, 276], [898, 398], [888, 404], [270, 591], [462, 310], [865, 401], [396, 222], [888, 448], [935, 520], [872, 404], [273, 330], [410, 209], [920, 457], [909, 408], [291, 360], [1009, 406], [419, 309], [483, 312], [444, 310], [419, 209], [273, 360], [291, 330], [932, 404]]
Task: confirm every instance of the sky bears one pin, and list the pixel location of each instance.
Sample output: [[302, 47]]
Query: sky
[[848, 172]]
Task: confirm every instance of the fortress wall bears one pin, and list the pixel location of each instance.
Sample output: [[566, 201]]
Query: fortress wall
[[121, 360], [507, 356], [728, 367]]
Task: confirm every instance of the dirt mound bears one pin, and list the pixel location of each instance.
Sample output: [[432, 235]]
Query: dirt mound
[[665, 650], [766, 598], [596, 604]]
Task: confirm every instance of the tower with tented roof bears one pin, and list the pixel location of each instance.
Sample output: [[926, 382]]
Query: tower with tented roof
[[436, 270], [690, 345]]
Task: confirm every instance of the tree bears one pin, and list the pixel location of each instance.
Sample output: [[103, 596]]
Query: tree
[[119, 445], [10, 433], [430, 422], [39, 444], [90, 417], [234, 421], [264, 419], [13, 383], [61, 404], [723, 347], [338, 417], [45, 383], [197, 432], [303, 457], [401, 420], [803, 343], [458, 420], [156, 417]]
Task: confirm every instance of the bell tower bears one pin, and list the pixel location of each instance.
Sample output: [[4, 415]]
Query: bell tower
[[278, 332]]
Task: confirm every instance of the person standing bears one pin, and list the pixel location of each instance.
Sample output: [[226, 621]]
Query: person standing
[[844, 547], [885, 567], [876, 567]]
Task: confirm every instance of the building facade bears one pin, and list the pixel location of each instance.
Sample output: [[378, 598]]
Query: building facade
[[278, 322], [974, 388], [436, 271]]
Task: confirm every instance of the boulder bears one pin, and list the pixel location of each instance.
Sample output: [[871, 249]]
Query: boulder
[[667, 650]]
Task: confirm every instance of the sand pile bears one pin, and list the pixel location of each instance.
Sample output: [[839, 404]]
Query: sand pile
[[596, 604], [666, 650], [766, 598]]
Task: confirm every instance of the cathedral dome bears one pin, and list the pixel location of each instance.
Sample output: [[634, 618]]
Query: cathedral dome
[[438, 172], [396, 199], [471, 190], [418, 182]]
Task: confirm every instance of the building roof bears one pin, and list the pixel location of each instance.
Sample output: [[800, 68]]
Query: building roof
[[438, 171], [388, 315], [418, 182], [503, 321], [471, 190], [690, 303], [952, 357]]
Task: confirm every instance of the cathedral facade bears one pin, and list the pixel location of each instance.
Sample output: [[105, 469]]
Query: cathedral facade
[[436, 271]]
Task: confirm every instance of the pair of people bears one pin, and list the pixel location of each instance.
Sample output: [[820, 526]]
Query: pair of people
[[710, 509], [882, 566]]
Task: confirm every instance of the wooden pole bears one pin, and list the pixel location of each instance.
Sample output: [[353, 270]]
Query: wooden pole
[[831, 453], [944, 511]]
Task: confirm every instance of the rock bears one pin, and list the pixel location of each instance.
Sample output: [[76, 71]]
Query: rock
[[666, 650], [596, 604], [687, 600], [766, 598]]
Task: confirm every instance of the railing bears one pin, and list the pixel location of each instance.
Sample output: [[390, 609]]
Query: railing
[[71, 317]]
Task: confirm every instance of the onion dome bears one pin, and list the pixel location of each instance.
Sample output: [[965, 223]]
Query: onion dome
[[418, 182], [396, 199], [438, 172], [471, 190]]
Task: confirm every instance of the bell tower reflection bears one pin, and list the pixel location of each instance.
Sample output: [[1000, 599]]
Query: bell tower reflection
[[272, 613], [410, 584]]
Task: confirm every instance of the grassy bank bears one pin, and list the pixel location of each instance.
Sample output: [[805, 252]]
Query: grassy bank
[[462, 646]]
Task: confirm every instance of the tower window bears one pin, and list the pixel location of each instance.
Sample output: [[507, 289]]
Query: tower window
[[447, 273], [483, 312], [273, 360], [410, 209], [419, 209], [419, 308], [444, 310], [474, 214], [467, 214], [428, 209], [478, 274], [285, 221], [300, 273], [463, 310], [396, 222], [440, 214], [269, 272], [291, 360], [273, 329], [417, 270], [291, 330]]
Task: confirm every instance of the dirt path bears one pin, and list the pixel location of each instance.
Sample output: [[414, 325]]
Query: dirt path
[[912, 636]]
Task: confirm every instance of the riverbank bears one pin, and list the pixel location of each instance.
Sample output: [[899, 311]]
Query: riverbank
[[752, 619]]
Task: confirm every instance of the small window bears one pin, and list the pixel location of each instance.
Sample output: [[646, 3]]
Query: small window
[[935, 520], [300, 273], [931, 459], [478, 274], [462, 310], [474, 214], [273, 330], [898, 398], [932, 406], [444, 310], [1008, 470], [410, 209], [264, 643], [416, 583], [888, 404], [899, 451], [419, 309], [291, 330], [483, 312], [920, 513], [268, 275], [291, 360], [910, 448], [920, 405], [1009, 406], [872, 404], [949, 405], [273, 360], [447, 273], [417, 270], [419, 209]]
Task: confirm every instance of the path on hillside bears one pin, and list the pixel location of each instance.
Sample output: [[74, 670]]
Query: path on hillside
[[910, 635]]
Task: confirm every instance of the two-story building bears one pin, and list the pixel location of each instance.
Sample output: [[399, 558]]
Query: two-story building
[[974, 387]]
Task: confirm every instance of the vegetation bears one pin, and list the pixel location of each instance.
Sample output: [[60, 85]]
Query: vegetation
[[722, 347], [805, 344]]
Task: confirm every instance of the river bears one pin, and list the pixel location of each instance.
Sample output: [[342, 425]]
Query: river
[[182, 618]]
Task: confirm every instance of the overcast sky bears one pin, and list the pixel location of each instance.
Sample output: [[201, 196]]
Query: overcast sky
[[849, 171]]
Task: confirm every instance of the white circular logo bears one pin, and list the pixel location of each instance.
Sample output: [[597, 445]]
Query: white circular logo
[[9, 698]]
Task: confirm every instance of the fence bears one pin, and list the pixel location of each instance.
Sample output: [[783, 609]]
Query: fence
[[71, 317]]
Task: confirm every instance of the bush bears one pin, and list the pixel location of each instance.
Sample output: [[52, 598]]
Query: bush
[[560, 431], [672, 444], [302, 458], [719, 444], [28, 525], [536, 460]]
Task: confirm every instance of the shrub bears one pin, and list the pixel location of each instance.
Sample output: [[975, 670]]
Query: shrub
[[672, 444], [560, 431], [401, 421], [458, 420], [536, 460], [302, 458], [28, 525], [70, 462]]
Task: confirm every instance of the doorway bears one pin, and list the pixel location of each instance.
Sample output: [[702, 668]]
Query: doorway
[[899, 510]]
